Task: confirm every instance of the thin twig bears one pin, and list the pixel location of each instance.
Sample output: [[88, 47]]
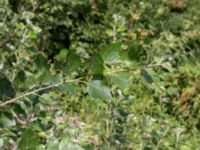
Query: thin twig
[[36, 91], [132, 69], [74, 80]]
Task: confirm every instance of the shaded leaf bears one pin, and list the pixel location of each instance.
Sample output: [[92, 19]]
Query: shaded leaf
[[29, 140], [73, 62], [6, 88], [20, 79], [133, 54], [41, 62], [95, 65], [146, 76]]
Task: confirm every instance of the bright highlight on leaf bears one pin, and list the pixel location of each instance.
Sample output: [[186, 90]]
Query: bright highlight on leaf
[[99, 90]]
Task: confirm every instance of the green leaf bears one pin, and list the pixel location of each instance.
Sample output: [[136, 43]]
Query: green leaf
[[20, 80], [1, 142], [146, 76], [29, 140], [167, 66], [41, 62], [53, 145], [65, 144], [133, 54], [62, 55], [47, 78], [46, 99], [121, 79], [110, 54], [150, 75], [6, 88], [32, 50], [73, 62], [95, 65], [98, 89], [6, 120], [68, 87]]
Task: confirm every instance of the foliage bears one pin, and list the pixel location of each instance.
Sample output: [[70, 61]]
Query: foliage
[[107, 75]]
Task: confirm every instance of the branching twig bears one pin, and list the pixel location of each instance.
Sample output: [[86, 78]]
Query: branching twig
[[3, 104], [36, 91]]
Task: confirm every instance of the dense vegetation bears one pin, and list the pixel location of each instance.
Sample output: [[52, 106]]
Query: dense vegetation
[[99, 74]]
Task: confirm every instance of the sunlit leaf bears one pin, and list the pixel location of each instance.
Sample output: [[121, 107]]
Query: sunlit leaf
[[98, 89], [66, 144], [53, 145], [6, 120], [110, 54], [46, 99], [121, 79]]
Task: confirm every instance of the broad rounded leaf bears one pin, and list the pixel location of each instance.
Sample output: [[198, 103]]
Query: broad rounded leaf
[[110, 54], [98, 89], [46, 99], [29, 140], [95, 65], [73, 62], [53, 145], [6, 120], [121, 79], [6, 88], [65, 144], [68, 87]]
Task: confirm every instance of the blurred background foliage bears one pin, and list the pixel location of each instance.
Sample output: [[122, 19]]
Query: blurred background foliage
[[138, 61]]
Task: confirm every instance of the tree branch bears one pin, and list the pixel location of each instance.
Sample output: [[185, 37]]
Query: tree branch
[[36, 91]]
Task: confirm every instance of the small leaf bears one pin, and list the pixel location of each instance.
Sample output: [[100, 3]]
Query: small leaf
[[121, 28], [98, 89], [33, 50], [109, 32], [167, 66], [62, 55], [29, 140], [6, 88], [110, 54], [150, 75], [146, 76]]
